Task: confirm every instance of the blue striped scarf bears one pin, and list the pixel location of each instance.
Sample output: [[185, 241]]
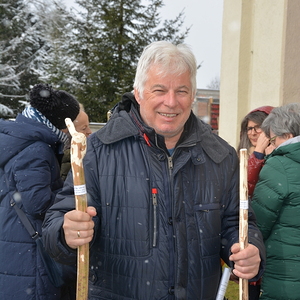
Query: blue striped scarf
[[32, 113]]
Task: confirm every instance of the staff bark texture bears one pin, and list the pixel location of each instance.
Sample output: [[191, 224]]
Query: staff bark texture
[[78, 150]]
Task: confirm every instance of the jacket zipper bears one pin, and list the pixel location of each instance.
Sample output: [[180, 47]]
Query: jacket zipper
[[170, 165], [172, 274], [154, 201]]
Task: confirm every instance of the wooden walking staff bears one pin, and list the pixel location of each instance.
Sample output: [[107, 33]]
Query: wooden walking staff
[[78, 150], [243, 226]]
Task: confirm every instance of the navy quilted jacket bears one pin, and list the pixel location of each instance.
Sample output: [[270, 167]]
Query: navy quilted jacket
[[27, 156], [163, 221]]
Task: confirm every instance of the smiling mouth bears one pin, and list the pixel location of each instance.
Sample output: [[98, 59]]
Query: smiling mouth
[[168, 115]]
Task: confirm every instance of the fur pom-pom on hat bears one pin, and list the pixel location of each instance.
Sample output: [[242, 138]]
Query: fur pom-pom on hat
[[55, 105]]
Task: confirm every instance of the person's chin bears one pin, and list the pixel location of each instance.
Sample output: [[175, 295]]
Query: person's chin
[[167, 131]]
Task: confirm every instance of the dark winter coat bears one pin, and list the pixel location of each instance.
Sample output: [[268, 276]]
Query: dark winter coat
[[65, 164], [163, 221], [254, 166], [254, 163], [27, 156], [276, 202]]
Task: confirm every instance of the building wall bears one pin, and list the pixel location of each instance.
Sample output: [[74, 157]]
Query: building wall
[[260, 62], [206, 107]]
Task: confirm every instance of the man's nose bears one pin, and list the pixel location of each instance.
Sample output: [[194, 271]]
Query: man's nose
[[170, 99]]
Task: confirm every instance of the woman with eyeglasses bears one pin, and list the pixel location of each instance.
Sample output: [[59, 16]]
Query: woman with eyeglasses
[[255, 141], [276, 202]]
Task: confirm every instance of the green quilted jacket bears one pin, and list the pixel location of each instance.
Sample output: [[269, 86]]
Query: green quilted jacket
[[276, 202]]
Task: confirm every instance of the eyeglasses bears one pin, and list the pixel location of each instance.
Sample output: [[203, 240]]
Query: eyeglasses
[[256, 128], [272, 140]]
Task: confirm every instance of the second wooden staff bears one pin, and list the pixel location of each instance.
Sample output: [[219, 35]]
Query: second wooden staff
[[78, 150], [243, 222]]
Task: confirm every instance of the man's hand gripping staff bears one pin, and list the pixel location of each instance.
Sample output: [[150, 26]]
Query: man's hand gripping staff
[[78, 150]]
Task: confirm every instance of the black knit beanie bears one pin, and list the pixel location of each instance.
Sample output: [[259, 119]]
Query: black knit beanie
[[55, 105]]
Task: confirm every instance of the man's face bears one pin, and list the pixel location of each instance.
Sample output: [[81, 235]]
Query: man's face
[[166, 102]]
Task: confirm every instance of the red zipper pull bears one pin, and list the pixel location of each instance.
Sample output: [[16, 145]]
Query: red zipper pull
[[154, 193], [146, 140]]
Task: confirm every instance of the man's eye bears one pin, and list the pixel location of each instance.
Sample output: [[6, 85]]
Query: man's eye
[[182, 92]]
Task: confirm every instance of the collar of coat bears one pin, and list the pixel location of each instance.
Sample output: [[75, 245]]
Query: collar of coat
[[126, 122]]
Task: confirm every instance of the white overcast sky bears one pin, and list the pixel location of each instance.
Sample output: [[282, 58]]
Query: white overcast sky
[[205, 37]]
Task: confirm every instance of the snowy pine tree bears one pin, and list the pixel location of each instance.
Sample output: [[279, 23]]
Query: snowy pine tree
[[59, 66], [91, 54], [5, 111], [109, 38], [20, 44]]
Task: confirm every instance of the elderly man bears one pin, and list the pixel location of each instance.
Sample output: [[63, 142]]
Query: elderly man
[[163, 194]]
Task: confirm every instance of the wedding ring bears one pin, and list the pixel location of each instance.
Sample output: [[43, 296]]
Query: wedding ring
[[78, 234]]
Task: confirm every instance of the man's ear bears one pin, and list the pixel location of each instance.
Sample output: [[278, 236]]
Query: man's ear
[[137, 96]]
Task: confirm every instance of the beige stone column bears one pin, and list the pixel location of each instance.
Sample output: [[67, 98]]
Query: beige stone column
[[260, 59]]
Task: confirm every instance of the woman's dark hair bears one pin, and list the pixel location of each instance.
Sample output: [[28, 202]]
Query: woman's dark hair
[[257, 117]]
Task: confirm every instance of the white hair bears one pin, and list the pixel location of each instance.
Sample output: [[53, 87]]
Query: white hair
[[170, 59]]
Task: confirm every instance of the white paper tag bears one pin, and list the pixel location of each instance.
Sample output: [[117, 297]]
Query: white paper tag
[[244, 204], [79, 189]]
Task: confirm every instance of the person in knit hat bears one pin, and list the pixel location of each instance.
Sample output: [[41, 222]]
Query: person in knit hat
[[55, 105], [30, 152]]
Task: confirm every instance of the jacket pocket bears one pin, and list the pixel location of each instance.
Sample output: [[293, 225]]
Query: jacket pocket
[[209, 227]]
